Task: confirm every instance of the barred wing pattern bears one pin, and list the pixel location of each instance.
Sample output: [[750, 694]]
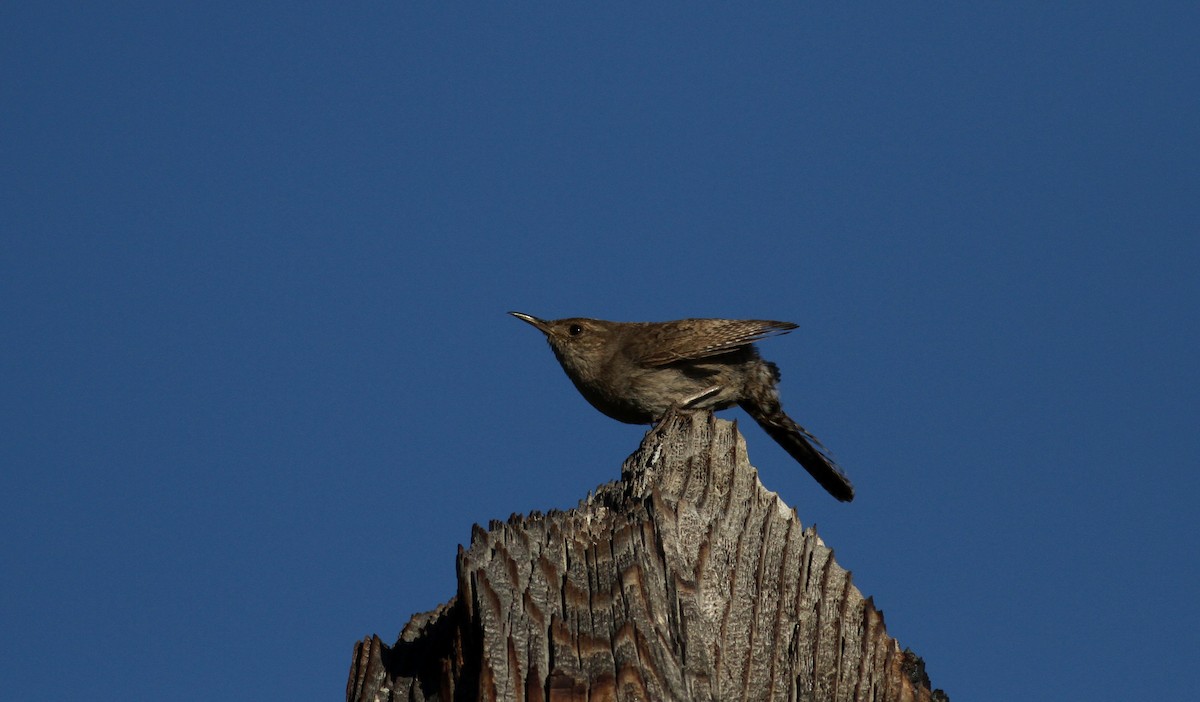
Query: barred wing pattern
[[687, 339]]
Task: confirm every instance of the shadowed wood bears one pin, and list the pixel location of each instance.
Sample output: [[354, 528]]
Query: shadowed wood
[[685, 580]]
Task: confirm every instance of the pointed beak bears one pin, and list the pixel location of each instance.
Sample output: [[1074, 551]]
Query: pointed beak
[[540, 324]]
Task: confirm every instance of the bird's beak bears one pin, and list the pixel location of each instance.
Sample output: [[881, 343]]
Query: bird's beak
[[540, 324]]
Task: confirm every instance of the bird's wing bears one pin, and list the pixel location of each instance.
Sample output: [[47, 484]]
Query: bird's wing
[[687, 339]]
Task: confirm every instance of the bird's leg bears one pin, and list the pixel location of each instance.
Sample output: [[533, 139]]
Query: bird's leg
[[693, 400]]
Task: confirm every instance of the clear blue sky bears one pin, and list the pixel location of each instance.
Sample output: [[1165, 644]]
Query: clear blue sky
[[257, 379]]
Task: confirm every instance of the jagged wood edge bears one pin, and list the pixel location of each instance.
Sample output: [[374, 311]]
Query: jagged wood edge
[[686, 579]]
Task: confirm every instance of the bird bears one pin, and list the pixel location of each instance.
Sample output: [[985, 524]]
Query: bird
[[635, 372]]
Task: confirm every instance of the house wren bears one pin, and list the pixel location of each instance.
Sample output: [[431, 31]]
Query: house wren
[[635, 371]]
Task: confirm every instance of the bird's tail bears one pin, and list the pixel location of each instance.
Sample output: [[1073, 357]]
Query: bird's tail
[[802, 446]]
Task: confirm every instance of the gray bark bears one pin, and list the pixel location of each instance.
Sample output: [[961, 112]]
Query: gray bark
[[685, 580]]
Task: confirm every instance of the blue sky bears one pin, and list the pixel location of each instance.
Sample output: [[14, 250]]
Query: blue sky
[[258, 381]]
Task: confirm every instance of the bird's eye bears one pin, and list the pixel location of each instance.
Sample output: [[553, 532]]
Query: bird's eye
[[575, 330]]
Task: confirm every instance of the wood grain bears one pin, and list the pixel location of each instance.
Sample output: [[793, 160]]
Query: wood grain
[[685, 580]]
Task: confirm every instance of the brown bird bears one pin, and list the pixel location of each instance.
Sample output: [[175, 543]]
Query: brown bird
[[635, 372]]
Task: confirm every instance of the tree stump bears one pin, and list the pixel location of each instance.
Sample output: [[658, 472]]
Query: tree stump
[[685, 580]]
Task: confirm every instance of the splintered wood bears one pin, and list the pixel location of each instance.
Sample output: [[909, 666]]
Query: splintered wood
[[685, 580]]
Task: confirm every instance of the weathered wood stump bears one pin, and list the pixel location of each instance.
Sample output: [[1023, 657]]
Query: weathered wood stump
[[685, 580]]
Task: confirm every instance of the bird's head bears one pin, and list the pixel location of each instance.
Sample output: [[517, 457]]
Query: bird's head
[[581, 345]]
